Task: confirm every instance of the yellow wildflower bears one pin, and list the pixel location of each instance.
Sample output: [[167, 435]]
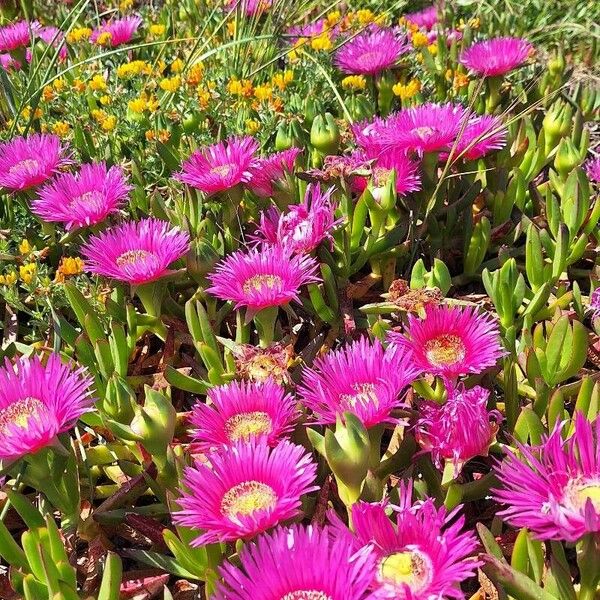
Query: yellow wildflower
[[59, 84], [104, 38], [8, 279], [231, 28], [98, 83], [170, 84], [78, 34], [365, 16], [239, 87], [109, 123], [203, 98], [252, 126], [47, 93], [195, 75], [281, 80], [152, 104], [25, 247], [263, 92], [70, 266], [354, 82], [334, 17], [321, 42], [138, 105], [125, 5], [105, 100], [177, 66], [135, 67], [433, 49], [460, 80], [27, 272], [61, 128], [419, 39], [407, 90], [157, 29], [78, 86]]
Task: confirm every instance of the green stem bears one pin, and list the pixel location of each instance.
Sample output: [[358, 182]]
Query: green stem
[[265, 321]]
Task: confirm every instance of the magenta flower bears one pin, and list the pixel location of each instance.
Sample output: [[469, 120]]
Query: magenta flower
[[481, 136], [497, 56], [8, 63], [28, 161], [17, 35], [361, 378], [371, 52], [300, 563], [426, 18], [221, 166], [311, 30], [368, 135], [304, 226], [83, 199], [451, 341], [426, 128], [55, 37], [247, 489], [251, 8], [38, 402], [262, 277], [592, 169], [422, 554], [594, 304], [267, 173], [242, 411], [406, 172], [554, 489], [459, 429], [117, 32], [136, 251]]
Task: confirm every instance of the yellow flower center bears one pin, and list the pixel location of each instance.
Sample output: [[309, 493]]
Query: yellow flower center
[[259, 282], [244, 425], [410, 568], [132, 256], [365, 394], [246, 498], [447, 349], [19, 413], [581, 491], [306, 595], [29, 164]]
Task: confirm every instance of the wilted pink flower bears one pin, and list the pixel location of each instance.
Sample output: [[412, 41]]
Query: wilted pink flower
[[459, 429], [262, 277], [311, 30], [554, 489], [371, 52], [451, 35], [422, 554], [426, 18], [221, 166], [38, 402], [117, 32], [592, 168], [300, 563], [304, 226], [594, 304], [83, 199], [55, 37], [243, 411], [482, 135], [28, 161], [17, 35], [247, 489], [426, 128], [361, 378], [136, 251], [406, 172], [251, 8], [496, 56], [451, 341], [7, 62], [267, 172]]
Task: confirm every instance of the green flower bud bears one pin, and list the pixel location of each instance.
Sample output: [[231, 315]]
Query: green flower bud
[[325, 134], [154, 423], [567, 158], [119, 400]]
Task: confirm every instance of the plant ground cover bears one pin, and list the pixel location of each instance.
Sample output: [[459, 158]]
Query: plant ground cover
[[300, 301]]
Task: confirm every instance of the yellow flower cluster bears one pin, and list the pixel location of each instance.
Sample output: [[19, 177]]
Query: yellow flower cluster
[[354, 82], [162, 135], [419, 39], [406, 91], [104, 38], [321, 42], [61, 129], [9, 278], [157, 30], [107, 122], [68, 267], [98, 83], [27, 272], [240, 87], [195, 74], [170, 84], [282, 80], [135, 67], [78, 34], [252, 126], [142, 103]]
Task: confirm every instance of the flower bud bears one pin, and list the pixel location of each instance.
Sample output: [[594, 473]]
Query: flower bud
[[154, 423], [567, 158], [200, 259], [119, 400], [325, 134]]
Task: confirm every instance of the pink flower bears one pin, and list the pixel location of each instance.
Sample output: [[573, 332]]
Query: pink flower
[[426, 128], [136, 251], [497, 56], [312, 30], [221, 166], [304, 226], [242, 411], [262, 277], [422, 554], [28, 161], [451, 341], [459, 429], [247, 489], [7, 62], [83, 199], [426, 18], [406, 172], [592, 169], [55, 37], [361, 378], [267, 173], [481, 136], [554, 489], [251, 8], [371, 52], [300, 563], [117, 32], [368, 135], [38, 402], [17, 35]]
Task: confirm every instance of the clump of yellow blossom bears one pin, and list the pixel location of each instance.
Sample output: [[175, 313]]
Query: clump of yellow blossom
[[321, 42], [354, 82], [135, 67], [406, 91], [9, 278], [27, 272], [252, 126], [419, 39], [78, 34], [98, 83], [170, 84], [68, 267], [195, 74], [240, 87], [61, 128], [157, 30]]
